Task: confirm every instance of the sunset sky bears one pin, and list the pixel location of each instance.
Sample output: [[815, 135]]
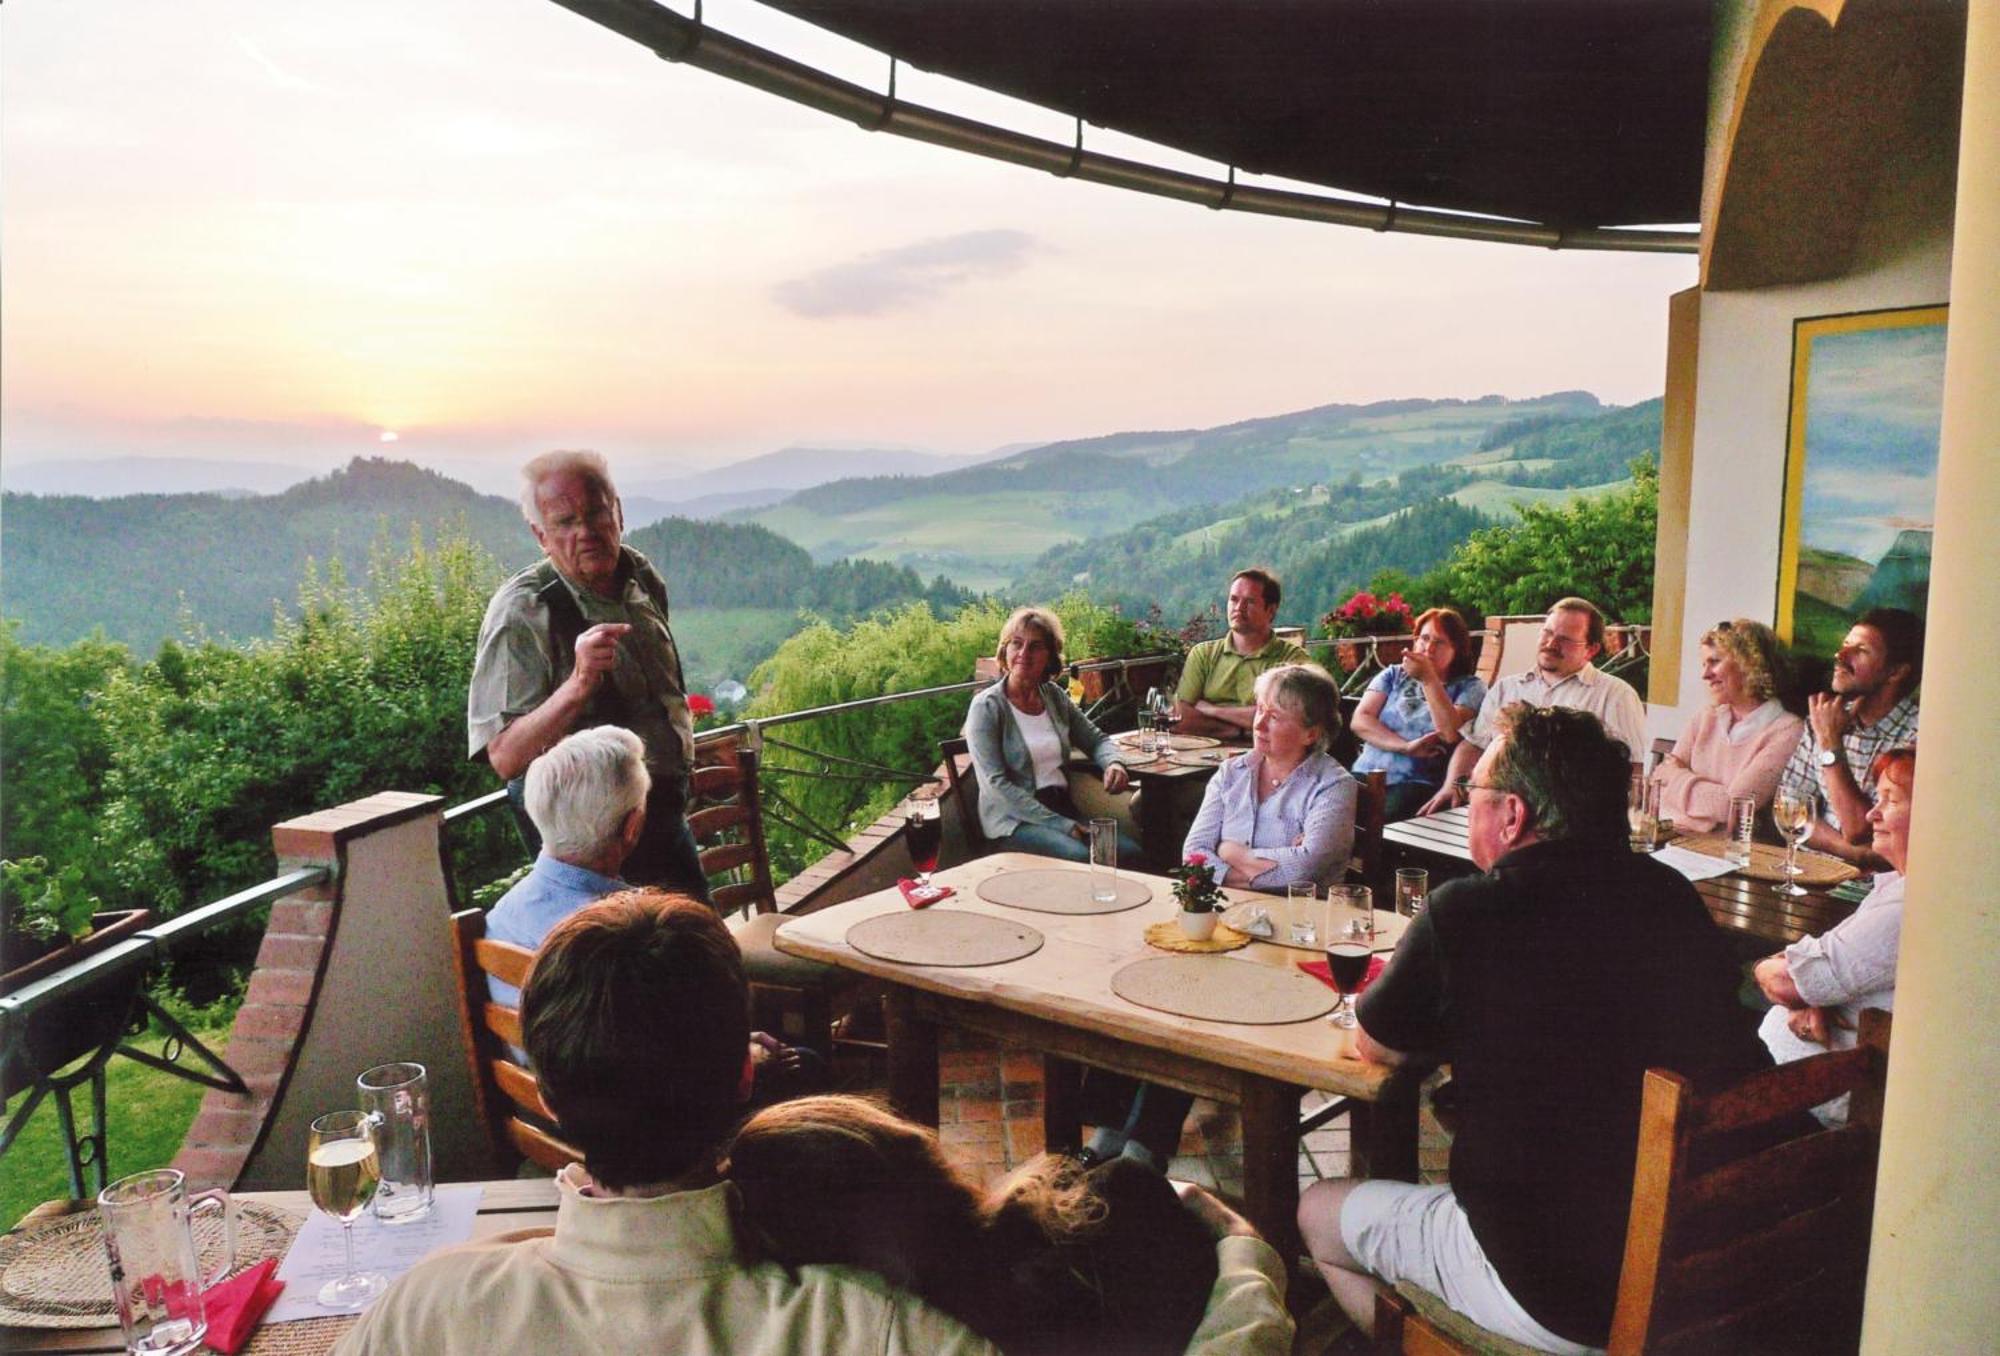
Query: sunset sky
[[277, 231]]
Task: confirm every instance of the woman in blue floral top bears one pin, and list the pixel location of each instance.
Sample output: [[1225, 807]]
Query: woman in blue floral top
[[1411, 714]]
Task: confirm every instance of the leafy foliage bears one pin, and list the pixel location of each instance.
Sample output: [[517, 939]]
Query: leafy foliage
[[45, 905], [54, 755]]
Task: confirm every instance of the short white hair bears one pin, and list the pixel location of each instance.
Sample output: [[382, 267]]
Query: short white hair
[[580, 792], [590, 465]]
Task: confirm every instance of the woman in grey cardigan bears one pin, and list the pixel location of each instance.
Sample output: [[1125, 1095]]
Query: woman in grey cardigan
[[1022, 731]]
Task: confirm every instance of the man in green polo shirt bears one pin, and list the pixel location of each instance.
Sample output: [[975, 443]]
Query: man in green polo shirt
[[1215, 696]]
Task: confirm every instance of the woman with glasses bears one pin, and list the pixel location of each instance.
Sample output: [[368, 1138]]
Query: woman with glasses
[[1412, 712], [1738, 745]]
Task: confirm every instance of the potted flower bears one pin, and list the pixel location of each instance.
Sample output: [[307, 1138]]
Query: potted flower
[[1366, 615], [1200, 897]]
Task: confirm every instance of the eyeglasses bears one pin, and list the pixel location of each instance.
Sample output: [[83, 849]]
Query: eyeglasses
[[1465, 786], [1560, 642]]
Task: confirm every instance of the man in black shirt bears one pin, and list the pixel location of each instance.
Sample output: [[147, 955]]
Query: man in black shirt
[[1551, 984]]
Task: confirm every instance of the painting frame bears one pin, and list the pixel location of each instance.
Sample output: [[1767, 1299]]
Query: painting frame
[[1798, 622]]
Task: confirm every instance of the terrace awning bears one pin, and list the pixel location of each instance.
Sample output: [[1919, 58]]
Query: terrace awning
[[1536, 121]]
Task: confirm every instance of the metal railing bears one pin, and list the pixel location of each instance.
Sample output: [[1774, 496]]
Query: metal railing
[[33, 1017]]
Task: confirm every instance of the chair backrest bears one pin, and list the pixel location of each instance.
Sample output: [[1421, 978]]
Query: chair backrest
[[727, 819], [506, 1097], [1371, 810], [1512, 646], [1736, 1232], [1661, 748], [964, 789]]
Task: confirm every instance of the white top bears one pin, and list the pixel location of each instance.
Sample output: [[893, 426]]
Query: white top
[[1610, 699], [1044, 746], [1737, 730]]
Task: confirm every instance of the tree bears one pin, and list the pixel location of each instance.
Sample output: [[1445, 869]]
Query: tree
[[53, 752]]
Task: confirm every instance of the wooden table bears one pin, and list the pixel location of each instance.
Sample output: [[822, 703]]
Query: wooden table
[[504, 1207], [1059, 1001], [1171, 784], [1757, 913]]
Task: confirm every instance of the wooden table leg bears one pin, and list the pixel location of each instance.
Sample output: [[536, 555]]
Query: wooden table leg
[[1062, 1104], [1383, 1138], [1271, 1162], [913, 1058]]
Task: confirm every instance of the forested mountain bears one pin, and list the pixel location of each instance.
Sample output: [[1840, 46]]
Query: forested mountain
[[1326, 540], [143, 565], [983, 525]]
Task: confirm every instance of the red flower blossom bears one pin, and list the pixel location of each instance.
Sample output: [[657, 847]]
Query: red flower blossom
[[699, 705]]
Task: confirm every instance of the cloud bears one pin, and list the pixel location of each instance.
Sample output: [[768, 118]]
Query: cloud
[[906, 277], [280, 77]]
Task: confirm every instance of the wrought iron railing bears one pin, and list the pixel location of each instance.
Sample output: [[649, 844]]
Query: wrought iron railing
[[37, 1020]]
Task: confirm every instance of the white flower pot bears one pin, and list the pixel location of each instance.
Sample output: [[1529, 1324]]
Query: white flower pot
[[1198, 926]]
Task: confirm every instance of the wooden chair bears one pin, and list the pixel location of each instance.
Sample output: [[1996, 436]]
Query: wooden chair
[[1371, 811], [1661, 748], [963, 788], [505, 1095], [792, 996], [1739, 1239]]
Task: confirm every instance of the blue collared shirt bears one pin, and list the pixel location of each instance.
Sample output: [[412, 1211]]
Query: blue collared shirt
[[550, 892], [1305, 827]]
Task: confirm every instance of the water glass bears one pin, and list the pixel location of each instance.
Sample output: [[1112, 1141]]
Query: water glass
[[1642, 814], [1103, 861], [1742, 820], [396, 1100], [1148, 741], [1305, 914], [155, 1275], [1413, 887]]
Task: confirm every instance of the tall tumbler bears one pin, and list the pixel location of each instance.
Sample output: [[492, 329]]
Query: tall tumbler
[[155, 1275], [1740, 825], [396, 1100], [1103, 860]]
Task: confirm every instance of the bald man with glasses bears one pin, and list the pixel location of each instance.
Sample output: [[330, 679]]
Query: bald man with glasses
[[1563, 675]]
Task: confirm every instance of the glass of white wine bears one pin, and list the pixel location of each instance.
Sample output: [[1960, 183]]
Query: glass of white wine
[[1792, 812], [341, 1175]]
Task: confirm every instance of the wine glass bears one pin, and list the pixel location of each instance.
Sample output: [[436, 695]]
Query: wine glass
[[924, 833], [1350, 944], [341, 1174], [1165, 716], [1792, 812]]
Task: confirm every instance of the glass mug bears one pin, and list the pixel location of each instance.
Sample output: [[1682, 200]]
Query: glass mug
[[396, 1100], [155, 1275]]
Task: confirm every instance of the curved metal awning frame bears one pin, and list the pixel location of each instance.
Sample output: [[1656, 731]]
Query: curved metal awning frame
[[689, 41]]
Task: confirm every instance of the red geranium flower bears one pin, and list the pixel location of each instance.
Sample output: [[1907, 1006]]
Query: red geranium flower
[[699, 705]]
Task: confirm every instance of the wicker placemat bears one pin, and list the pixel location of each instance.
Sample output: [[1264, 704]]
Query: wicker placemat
[[1168, 937], [1218, 989], [1176, 743], [305, 1337], [1816, 869], [940, 936], [1059, 890], [56, 1275]]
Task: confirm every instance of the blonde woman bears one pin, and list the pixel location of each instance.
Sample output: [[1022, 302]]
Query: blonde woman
[[1738, 745]]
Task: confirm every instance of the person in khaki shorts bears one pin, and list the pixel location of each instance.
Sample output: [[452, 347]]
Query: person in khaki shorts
[[1217, 690]]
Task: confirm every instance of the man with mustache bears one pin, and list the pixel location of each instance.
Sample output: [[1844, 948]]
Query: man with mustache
[[1572, 636], [1872, 709]]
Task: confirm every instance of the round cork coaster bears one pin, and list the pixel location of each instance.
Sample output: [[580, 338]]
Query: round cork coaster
[[946, 937], [1218, 989], [56, 1275], [1168, 937], [1059, 890]]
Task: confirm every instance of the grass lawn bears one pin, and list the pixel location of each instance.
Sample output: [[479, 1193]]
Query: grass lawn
[[148, 1111]]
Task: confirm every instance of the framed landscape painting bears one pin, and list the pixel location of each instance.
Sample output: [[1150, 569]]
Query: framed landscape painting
[[1861, 473]]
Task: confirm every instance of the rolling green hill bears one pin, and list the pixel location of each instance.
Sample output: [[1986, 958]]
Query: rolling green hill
[[145, 568], [984, 525]]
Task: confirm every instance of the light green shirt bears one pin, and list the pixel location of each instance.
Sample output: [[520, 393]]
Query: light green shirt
[[1215, 672]]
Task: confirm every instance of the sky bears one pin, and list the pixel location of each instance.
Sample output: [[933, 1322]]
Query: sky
[[237, 229]]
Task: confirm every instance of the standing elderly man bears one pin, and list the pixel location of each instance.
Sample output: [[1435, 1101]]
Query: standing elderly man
[[1217, 693], [634, 1021], [1551, 984], [1871, 710], [1572, 636], [581, 639]]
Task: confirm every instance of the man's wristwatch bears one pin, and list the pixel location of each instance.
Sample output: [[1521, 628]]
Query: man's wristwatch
[[1828, 757]]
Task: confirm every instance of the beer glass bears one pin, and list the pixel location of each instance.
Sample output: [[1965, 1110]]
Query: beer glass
[[155, 1276]]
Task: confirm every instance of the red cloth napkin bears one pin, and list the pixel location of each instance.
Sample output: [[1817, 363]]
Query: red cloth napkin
[[917, 897], [235, 1306], [1317, 969]]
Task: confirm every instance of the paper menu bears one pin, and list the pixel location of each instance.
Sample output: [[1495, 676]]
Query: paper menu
[[318, 1255], [1693, 865]]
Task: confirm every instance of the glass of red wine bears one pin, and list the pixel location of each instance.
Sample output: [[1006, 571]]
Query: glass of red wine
[[923, 834], [1350, 944]]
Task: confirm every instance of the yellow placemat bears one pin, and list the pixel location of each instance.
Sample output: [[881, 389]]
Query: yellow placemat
[[1768, 863], [1168, 937]]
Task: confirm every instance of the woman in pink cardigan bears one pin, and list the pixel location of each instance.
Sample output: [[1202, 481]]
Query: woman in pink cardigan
[[1738, 746]]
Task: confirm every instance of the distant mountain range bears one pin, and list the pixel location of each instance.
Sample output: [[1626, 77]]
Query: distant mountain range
[[107, 477]]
